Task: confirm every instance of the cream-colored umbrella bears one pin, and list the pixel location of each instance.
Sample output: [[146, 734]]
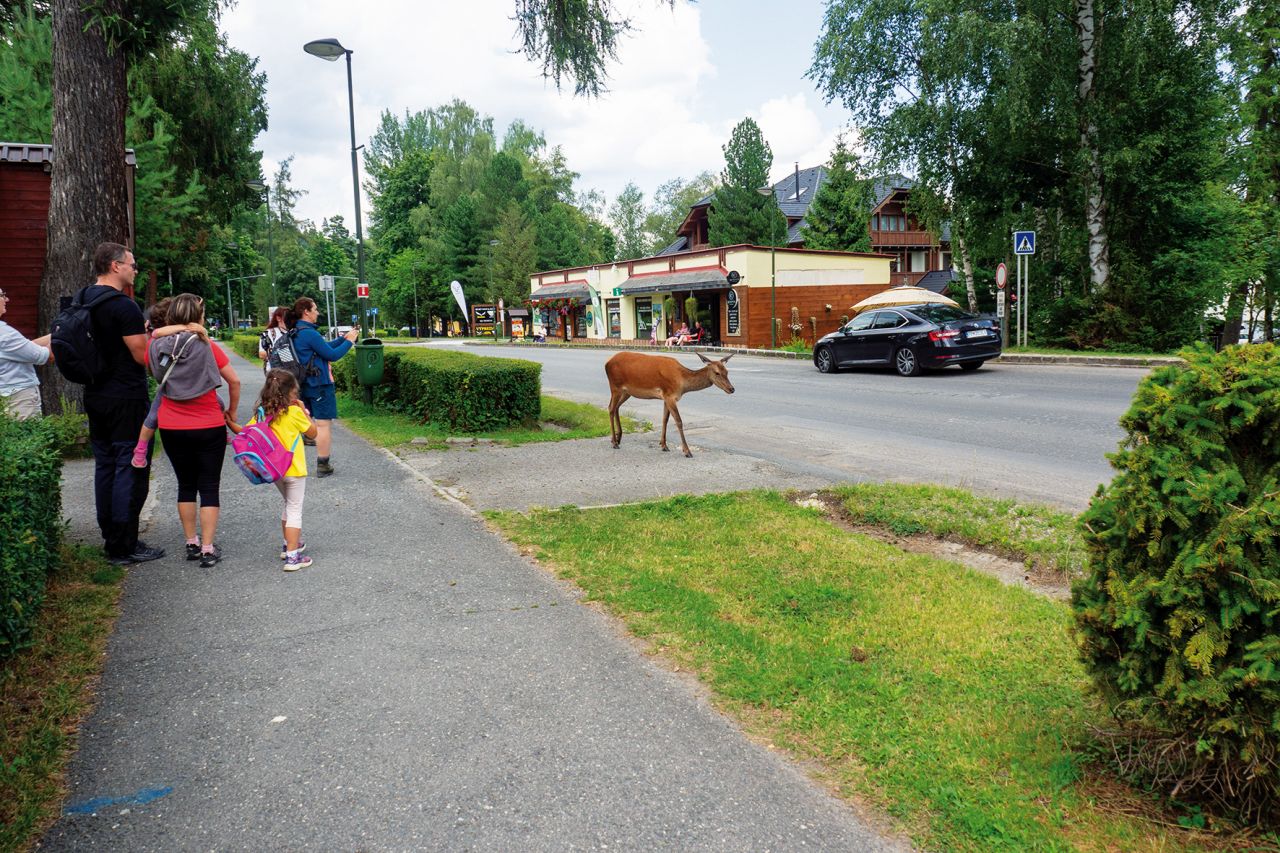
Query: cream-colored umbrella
[[902, 295]]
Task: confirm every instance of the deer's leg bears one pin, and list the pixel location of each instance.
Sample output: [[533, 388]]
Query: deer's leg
[[666, 413], [675, 413], [616, 399]]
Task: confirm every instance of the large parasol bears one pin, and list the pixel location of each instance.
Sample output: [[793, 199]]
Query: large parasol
[[903, 295]]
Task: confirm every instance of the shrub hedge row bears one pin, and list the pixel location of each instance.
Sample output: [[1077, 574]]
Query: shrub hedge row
[[30, 523], [464, 392]]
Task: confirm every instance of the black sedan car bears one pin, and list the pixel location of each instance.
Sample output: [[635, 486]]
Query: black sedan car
[[912, 338]]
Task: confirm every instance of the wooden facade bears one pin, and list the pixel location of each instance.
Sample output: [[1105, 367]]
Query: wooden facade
[[24, 216]]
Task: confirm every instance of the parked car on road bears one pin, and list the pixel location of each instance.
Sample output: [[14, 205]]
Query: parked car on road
[[911, 338]]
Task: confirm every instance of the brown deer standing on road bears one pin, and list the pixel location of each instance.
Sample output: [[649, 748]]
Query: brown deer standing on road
[[658, 377]]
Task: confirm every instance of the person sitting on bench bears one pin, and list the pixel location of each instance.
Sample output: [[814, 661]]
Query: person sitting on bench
[[681, 336]]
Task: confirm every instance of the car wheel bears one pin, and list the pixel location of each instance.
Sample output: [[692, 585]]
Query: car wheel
[[824, 360], [906, 362], [971, 365]]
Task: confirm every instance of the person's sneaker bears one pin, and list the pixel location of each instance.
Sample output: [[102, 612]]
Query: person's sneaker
[[193, 550], [293, 562], [323, 469], [209, 559], [142, 553], [139, 459], [284, 549]]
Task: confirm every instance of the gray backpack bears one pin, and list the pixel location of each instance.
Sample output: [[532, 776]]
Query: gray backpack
[[184, 366]]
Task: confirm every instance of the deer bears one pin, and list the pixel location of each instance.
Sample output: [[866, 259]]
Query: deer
[[659, 377]]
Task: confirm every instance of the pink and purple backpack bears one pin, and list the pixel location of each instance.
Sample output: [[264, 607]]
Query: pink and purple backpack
[[259, 454]]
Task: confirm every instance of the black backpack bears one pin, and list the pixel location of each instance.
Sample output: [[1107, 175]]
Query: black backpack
[[284, 356], [75, 352]]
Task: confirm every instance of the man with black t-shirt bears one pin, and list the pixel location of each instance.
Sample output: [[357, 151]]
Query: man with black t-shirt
[[116, 405]]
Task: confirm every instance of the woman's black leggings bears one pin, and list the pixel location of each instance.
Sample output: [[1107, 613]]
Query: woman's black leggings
[[196, 456]]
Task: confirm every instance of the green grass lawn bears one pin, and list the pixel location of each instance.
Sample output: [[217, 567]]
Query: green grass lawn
[[45, 691], [947, 700], [386, 428]]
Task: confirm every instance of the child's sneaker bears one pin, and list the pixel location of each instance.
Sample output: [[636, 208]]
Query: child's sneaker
[[210, 558], [193, 550], [139, 456], [284, 549], [295, 561]]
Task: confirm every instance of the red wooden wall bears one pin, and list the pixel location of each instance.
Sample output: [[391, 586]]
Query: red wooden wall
[[24, 212]]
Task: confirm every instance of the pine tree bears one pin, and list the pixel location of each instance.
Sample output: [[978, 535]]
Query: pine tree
[[740, 214], [837, 216]]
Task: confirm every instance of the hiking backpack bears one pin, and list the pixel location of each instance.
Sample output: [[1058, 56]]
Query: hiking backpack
[[184, 366], [259, 454], [75, 352], [283, 355]]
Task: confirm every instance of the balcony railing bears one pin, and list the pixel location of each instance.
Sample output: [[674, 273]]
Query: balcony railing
[[902, 238], [900, 278]]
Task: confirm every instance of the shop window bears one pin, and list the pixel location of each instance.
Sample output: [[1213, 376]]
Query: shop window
[[613, 308], [644, 318]]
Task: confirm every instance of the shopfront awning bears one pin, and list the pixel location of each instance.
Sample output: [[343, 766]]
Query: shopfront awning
[[668, 282], [561, 291]]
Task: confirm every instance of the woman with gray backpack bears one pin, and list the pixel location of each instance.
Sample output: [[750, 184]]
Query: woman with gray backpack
[[188, 369]]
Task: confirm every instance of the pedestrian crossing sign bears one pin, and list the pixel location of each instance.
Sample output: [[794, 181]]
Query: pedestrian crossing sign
[[1024, 242]]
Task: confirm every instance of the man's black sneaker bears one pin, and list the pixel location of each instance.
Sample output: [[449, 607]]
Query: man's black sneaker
[[209, 559], [143, 553], [323, 469], [193, 550]]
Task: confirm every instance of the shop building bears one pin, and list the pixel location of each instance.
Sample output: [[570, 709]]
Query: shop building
[[745, 296]]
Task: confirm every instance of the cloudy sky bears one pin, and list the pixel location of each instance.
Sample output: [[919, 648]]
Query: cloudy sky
[[683, 80]]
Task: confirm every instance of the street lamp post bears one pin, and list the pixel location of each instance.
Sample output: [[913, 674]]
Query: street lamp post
[[261, 186], [329, 50], [231, 311]]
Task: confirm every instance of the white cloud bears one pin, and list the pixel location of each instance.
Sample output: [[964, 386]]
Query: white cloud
[[663, 116]]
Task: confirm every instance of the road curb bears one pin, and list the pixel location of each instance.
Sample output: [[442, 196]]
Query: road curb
[[1006, 358]]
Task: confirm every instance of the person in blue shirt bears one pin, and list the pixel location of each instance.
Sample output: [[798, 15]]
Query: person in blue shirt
[[19, 387], [318, 393]]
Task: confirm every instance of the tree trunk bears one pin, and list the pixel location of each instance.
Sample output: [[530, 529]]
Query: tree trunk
[[966, 268], [1234, 316], [88, 193], [1095, 206]]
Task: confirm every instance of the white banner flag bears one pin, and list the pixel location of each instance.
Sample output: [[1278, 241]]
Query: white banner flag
[[456, 287]]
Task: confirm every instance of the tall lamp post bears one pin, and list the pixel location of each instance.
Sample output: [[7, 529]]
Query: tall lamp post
[[259, 186], [773, 276], [329, 50]]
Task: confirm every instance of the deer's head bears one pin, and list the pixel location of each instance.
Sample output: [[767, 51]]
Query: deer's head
[[718, 372]]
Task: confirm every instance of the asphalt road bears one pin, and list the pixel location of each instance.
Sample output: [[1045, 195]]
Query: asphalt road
[[1036, 432]]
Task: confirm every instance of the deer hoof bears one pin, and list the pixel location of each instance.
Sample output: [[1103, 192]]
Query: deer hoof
[[688, 453], [664, 448]]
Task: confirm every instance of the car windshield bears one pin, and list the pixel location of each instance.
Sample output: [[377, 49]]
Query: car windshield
[[941, 313]]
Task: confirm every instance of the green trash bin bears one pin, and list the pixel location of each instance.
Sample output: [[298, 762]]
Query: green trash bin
[[369, 361]]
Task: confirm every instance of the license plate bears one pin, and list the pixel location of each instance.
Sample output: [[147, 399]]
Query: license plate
[[979, 333]]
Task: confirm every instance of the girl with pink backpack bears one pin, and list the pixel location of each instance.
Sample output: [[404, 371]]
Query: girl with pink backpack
[[280, 408]]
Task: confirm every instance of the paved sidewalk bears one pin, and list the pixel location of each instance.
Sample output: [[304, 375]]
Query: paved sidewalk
[[422, 686]]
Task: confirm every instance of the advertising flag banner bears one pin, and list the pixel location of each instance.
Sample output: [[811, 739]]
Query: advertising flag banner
[[456, 287]]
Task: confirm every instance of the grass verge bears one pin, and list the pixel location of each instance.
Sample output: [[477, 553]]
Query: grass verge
[[570, 420], [945, 699], [45, 691], [1042, 537]]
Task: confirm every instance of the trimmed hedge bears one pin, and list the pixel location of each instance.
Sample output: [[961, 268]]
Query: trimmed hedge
[[464, 392], [30, 523], [246, 345]]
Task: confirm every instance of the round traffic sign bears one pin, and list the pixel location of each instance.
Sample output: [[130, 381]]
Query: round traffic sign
[[1002, 276]]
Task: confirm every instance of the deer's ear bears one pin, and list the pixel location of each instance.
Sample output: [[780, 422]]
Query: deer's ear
[[726, 358], [705, 360]]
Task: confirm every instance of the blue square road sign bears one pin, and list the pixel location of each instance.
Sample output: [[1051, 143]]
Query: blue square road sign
[[1024, 242]]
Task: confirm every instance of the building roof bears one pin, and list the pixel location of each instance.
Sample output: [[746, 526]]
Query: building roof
[[938, 281], [25, 152], [572, 290], [795, 192], [681, 244], [707, 279]]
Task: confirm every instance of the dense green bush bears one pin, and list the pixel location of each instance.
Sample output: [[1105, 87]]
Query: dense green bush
[[465, 392], [246, 345], [1176, 618], [30, 523], [389, 333]]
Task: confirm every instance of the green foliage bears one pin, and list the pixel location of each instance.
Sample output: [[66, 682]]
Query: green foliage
[[627, 215], [30, 523], [1177, 617], [740, 214], [671, 203], [691, 310], [465, 392], [837, 216]]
